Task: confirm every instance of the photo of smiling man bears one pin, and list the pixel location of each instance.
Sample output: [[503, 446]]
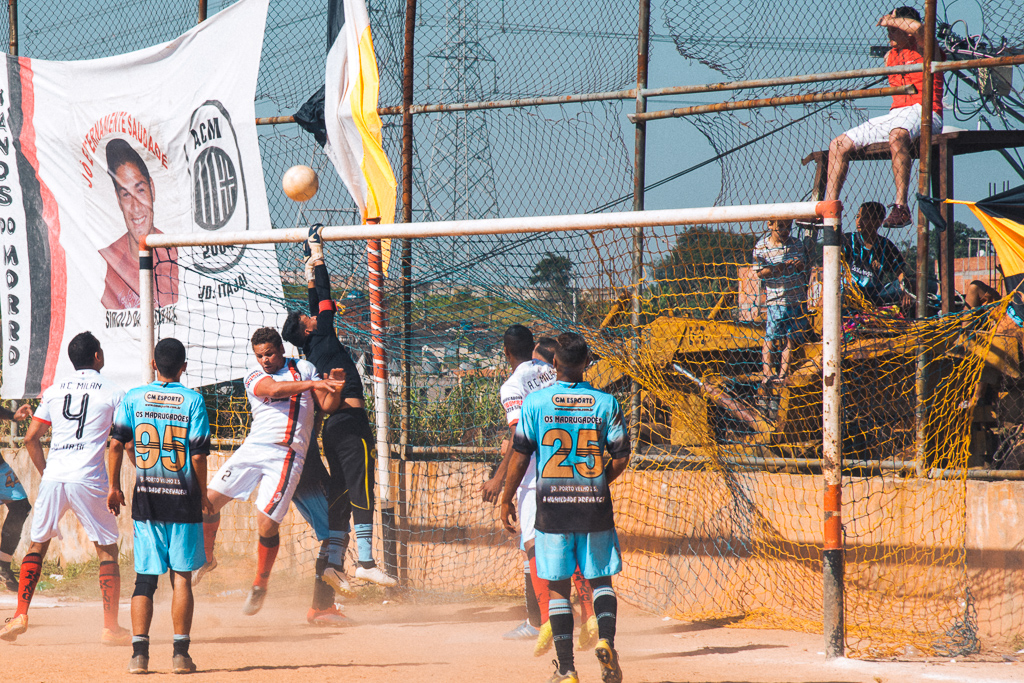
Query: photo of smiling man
[[135, 194]]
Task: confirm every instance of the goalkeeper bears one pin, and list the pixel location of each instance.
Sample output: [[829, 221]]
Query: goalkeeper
[[347, 438]]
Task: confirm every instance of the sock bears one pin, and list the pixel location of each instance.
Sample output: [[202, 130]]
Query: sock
[[10, 534], [110, 588], [140, 646], [364, 544], [211, 523], [584, 593], [532, 607], [606, 605], [323, 595], [560, 614], [265, 556], [31, 566], [540, 589], [337, 545], [181, 644]]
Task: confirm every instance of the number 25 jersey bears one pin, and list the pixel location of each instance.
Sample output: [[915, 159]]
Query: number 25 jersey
[[570, 426], [79, 409]]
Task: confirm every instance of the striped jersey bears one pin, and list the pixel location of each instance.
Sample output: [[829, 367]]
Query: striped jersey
[[570, 426], [79, 408], [285, 422], [168, 424]]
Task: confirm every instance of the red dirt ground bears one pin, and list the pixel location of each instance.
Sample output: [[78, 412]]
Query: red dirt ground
[[426, 643]]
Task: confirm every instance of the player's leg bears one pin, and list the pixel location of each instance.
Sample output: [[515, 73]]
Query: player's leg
[[349, 440], [588, 619], [10, 537], [51, 504], [542, 590], [556, 563], [899, 148], [599, 558], [185, 555], [142, 617], [235, 480], [535, 588], [839, 151], [110, 590]]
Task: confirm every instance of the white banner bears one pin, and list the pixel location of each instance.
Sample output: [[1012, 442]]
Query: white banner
[[94, 155]]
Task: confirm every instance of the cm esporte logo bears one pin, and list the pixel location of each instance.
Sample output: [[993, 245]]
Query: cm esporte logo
[[219, 196], [573, 400], [165, 399]]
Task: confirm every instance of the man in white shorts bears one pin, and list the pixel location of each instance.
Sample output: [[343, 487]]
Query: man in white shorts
[[79, 409], [283, 395], [902, 125]]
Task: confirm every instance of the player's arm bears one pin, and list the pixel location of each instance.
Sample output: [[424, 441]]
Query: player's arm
[[491, 489], [199, 448], [328, 400], [33, 443], [617, 445], [24, 412], [268, 388], [115, 456], [516, 471], [911, 27]]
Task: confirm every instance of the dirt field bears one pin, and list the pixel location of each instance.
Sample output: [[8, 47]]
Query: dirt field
[[414, 642]]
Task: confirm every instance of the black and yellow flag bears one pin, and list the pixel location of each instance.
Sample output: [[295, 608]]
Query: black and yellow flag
[[1002, 215]]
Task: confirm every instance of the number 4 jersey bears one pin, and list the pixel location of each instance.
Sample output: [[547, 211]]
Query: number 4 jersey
[[168, 424], [79, 409], [570, 426]]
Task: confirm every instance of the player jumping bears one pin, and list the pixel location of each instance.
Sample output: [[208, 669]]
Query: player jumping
[[569, 425], [168, 430], [283, 394], [79, 408], [12, 494], [347, 438]]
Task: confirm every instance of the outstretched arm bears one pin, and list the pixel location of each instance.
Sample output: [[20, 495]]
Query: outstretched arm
[[911, 27]]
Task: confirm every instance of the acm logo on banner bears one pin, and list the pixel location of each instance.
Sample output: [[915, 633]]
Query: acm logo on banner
[[219, 196]]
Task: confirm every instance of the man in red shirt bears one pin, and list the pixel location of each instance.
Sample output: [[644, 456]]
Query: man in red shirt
[[902, 125]]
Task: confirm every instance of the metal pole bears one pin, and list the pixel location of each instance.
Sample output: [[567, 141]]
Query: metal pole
[[202, 11], [12, 18], [833, 618], [947, 240], [924, 169], [639, 179], [147, 310], [380, 382], [407, 151]]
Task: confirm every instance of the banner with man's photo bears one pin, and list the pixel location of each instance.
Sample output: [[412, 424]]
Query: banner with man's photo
[[97, 154]]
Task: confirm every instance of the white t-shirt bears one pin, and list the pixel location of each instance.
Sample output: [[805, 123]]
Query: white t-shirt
[[79, 409], [286, 422], [527, 378], [790, 288]]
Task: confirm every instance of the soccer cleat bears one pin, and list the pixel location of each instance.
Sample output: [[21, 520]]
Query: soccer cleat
[[898, 217], [375, 575], [139, 665], [525, 631], [588, 633], [204, 570], [327, 617], [559, 677], [610, 671], [9, 579], [254, 602], [336, 580], [544, 639], [116, 637], [183, 664], [14, 627]]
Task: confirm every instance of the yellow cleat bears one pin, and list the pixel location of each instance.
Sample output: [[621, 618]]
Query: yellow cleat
[[588, 634], [544, 640], [116, 637], [198, 574], [559, 677], [610, 671], [14, 627]]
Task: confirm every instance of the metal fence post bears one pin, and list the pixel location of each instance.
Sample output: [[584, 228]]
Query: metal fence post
[[639, 167]]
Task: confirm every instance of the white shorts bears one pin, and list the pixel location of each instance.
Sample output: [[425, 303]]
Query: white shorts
[[274, 469], [527, 499], [878, 129], [88, 502]]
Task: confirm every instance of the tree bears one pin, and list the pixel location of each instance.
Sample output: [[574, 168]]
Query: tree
[[701, 267], [555, 273]]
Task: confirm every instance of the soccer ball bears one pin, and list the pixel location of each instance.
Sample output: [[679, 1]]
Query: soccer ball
[[300, 183]]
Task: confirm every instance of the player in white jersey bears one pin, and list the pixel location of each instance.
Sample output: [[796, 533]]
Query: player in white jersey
[[283, 394], [79, 409]]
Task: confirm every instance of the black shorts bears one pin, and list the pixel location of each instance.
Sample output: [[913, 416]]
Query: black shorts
[[349, 451]]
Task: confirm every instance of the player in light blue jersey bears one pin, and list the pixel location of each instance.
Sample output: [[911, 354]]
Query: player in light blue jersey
[[169, 430], [568, 427]]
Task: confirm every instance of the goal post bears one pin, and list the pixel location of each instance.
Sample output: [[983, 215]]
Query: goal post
[[828, 213]]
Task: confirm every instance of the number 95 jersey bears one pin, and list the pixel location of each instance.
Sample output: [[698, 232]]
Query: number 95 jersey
[[570, 426], [168, 424]]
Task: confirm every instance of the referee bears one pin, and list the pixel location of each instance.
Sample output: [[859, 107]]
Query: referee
[[347, 438]]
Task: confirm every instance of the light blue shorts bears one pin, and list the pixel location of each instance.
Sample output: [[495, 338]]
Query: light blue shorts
[[160, 546], [311, 502], [10, 487], [596, 553]]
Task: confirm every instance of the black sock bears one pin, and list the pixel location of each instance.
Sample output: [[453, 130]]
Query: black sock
[[367, 565], [606, 606], [323, 595], [6, 565], [181, 644], [140, 646], [560, 616], [532, 607]]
